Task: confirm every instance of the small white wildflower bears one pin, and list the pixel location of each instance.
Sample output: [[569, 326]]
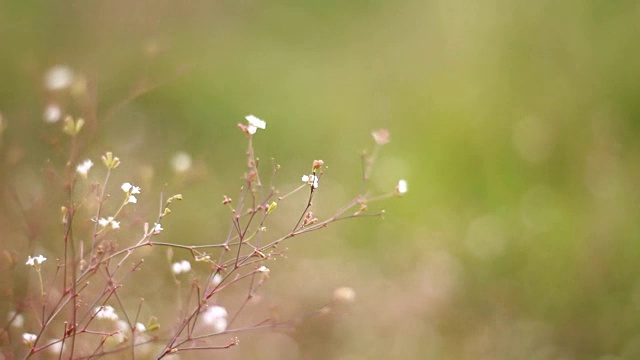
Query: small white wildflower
[[105, 312], [132, 199], [29, 339], [402, 186], [255, 124], [58, 77], [176, 268], [140, 327], [186, 266], [126, 187], [115, 224], [52, 113], [83, 169], [381, 136], [17, 320], [263, 269], [216, 316], [181, 162], [344, 295], [104, 222], [32, 261], [216, 279], [123, 326], [55, 347], [157, 228], [123, 330]]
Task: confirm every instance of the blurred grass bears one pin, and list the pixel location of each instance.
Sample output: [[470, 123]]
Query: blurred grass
[[522, 113]]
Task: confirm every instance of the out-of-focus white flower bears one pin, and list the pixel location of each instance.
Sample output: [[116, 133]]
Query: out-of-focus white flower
[[33, 261], [381, 136], [216, 279], [181, 267], [255, 124], [55, 347], [130, 189], [105, 312], [181, 162], [132, 199], [263, 269], [17, 320], [311, 179], [123, 326], [52, 113], [58, 77], [29, 339], [344, 295], [402, 186], [140, 327], [109, 222], [83, 169], [157, 228], [216, 316]]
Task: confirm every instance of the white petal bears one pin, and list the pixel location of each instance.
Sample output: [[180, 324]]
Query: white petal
[[126, 187], [254, 121]]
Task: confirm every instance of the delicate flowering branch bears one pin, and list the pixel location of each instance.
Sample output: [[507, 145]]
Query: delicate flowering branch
[[93, 278]]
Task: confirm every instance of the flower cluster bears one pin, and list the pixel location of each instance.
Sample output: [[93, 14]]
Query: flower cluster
[[109, 222], [311, 179], [255, 124], [216, 316], [33, 261], [181, 267], [83, 169], [130, 190], [105, 312]]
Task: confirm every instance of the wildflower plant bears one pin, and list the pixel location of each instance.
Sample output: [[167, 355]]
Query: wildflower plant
[[83, 308]]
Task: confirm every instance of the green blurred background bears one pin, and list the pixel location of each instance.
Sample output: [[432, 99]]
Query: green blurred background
[[514, 122]]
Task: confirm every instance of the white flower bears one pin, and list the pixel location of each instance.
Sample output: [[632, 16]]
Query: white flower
[[115, 224], [58, 77], [123, 326], [55, 347], [181, 162], [83, 169], [402, 186], [186, 266], [344, 295], [157, 228], [132, 199], [29, 339], [32, 261], [140, 327], [17, 320], [263, 269], [311, 180], [105, 312], [52, 113], [216, 316], [255, 124], [216, 280], [181, 267], [121, 335]]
